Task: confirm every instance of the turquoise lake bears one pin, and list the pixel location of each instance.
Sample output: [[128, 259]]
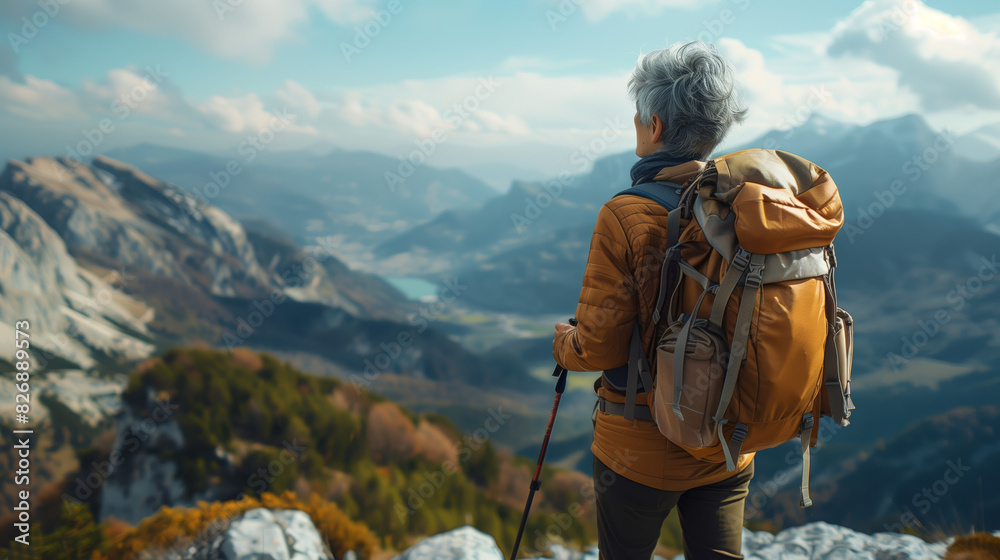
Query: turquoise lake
[[413, 288]]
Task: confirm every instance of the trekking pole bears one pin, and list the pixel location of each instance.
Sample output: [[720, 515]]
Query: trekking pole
[[559, 372]]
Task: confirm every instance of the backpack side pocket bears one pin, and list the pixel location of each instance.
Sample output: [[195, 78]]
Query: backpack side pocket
[[702, 378]]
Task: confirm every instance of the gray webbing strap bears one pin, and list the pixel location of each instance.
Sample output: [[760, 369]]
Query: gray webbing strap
[[673, 227], [642, 412], [673, 304], [838, 399], [805, 436], [736, 442], [672, 254], [700, 278], [831, 361], [673, 248], [639, 354], [638, 366], [680, 349], [739, 347], [727, 286], [632, 384]]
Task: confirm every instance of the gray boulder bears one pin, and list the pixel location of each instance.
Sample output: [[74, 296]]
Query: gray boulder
[[464, 543], [263, 534]]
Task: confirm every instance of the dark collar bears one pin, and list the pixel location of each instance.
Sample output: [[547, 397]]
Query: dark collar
[[650, 166]]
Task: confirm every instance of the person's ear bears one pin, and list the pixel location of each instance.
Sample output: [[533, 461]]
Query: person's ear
[[656, 128]]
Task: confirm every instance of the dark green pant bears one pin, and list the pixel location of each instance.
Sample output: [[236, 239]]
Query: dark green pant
[[630, 516]]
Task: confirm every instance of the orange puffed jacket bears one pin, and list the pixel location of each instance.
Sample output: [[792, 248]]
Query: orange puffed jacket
[[622, 279]]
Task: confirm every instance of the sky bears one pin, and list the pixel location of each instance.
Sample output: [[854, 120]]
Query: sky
[[515, 87]]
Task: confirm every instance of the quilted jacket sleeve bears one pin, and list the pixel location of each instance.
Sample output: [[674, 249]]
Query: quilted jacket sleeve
[[607, 304]]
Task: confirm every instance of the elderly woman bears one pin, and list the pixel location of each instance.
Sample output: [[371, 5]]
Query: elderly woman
[[685, 103]]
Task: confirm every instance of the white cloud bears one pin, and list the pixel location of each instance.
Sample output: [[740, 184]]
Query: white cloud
[[760, 85], [245, 30], [354, 112], [784, 83], [128, 91], [298, 97], [784, 92], [248, 114], [561, 110], [414, 117], [943, 59], [38, 99], [509, 124]]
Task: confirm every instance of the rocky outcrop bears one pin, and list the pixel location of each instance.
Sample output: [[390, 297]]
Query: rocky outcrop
[[817, 541], [464, 543], [260, 534], [118, 214], [70, 310]]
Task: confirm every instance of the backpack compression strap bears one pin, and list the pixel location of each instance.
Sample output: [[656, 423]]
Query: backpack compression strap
[[753, 265]]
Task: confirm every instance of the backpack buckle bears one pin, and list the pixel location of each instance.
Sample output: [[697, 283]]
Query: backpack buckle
[[739, 433], [807, 422], [741, 258]]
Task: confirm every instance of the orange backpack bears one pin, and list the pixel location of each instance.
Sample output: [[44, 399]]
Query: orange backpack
[[747, 291]]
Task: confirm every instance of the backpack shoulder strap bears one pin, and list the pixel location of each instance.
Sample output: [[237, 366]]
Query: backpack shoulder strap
[[665, 193], [637, 370]]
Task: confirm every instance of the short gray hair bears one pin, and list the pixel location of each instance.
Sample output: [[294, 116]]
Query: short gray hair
[[693, 90]]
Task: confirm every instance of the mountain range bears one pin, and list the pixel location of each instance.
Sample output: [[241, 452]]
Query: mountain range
[[121, 258], [535, 238], [139, 263], [344, 193]]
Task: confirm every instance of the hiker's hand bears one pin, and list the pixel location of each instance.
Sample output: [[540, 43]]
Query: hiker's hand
[[562, 327]]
